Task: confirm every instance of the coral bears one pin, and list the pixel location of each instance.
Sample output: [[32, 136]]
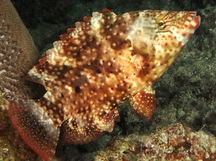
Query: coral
[[174, 142], [18, 53], [12, 147]]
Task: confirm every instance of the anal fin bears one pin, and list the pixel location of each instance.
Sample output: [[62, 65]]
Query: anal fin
[[72, 132]]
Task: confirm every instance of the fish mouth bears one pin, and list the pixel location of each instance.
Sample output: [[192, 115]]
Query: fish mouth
[[195, 20]]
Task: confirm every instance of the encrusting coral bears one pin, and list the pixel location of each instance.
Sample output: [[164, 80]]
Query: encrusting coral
[[174, 142]]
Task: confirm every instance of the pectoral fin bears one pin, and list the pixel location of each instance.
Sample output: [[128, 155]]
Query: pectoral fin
[[144, 103]]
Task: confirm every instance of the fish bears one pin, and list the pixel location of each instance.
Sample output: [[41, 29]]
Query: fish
[[93, 68]]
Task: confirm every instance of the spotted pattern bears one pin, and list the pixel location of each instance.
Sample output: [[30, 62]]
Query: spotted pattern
[[101, 62]]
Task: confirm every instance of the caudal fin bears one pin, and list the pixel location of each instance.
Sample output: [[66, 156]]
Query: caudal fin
[[34, 126]]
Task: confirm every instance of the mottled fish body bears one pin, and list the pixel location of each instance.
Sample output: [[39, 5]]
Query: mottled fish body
[[95, 67]]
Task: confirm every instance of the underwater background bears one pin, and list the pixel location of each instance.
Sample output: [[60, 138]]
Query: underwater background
[[185, 94]]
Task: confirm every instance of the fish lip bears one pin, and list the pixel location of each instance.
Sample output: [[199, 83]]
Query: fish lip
[[196, 20]]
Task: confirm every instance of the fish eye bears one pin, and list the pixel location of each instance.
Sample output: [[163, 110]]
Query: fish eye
[[160, 24]]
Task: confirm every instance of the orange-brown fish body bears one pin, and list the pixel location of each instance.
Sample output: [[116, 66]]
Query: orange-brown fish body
[[96, 66]]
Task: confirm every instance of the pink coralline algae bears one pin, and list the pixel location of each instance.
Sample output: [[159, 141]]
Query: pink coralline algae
[[95, 67], [172, 143]]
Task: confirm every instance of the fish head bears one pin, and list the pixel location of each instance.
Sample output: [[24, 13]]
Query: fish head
[[162, 34]]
